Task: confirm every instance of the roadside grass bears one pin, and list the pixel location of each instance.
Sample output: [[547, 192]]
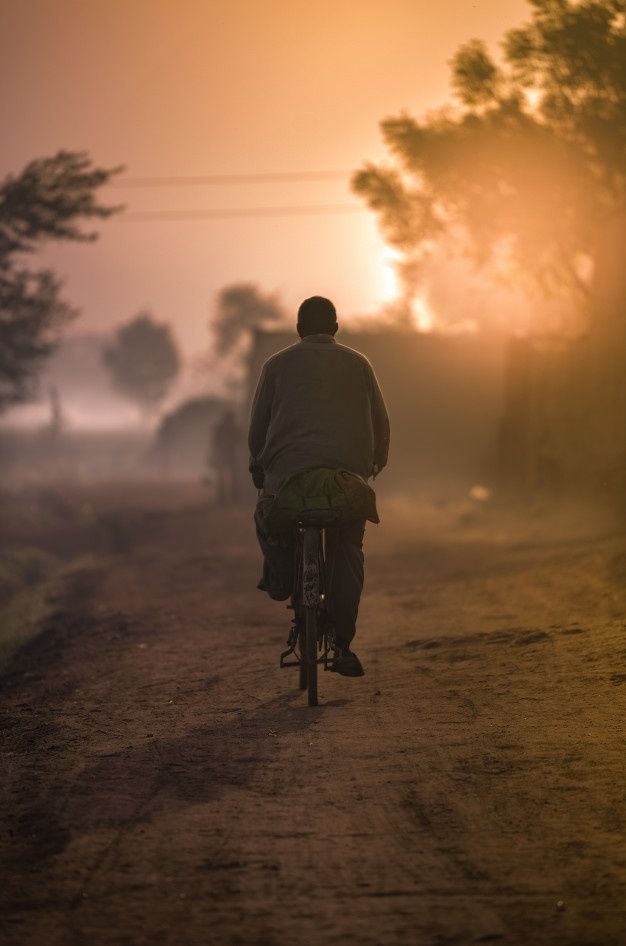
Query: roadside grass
[[31, 583], [52, 534]]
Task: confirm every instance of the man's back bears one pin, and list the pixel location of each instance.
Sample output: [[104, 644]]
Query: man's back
[[317, 404]]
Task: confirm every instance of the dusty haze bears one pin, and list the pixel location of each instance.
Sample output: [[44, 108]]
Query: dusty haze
[[192, 88]]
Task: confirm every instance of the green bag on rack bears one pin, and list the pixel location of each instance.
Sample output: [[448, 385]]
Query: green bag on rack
[[323, 495]]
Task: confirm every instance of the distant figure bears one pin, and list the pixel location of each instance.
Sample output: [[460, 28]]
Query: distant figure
[[225, 454], [318, 404], [57, 420]]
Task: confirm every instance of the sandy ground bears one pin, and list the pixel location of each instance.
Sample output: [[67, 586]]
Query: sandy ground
[[164, 782]]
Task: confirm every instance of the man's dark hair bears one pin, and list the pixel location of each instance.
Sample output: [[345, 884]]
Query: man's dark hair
[[317, 315]]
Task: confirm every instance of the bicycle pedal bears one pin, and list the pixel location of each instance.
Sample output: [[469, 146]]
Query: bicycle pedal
[[284, 662]]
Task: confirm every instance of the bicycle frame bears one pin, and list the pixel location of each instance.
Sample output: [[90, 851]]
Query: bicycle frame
[[310, 640]]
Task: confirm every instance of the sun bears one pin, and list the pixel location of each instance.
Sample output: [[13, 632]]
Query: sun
[[422, 316]]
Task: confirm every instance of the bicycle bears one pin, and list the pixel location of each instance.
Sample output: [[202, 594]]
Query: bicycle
[[311, 639]]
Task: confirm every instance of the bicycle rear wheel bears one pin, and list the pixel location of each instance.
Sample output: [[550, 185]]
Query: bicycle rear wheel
[[310, 601], [302, 654], [311, 655]]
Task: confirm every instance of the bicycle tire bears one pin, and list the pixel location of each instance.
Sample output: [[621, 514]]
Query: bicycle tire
[[310, 602], [303, 672], [311, 655]]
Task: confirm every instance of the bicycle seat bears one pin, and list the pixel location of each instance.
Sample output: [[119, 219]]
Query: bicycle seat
[[321, 518], [318, 523]]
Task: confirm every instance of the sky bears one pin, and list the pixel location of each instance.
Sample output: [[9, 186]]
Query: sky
[[184, 88]]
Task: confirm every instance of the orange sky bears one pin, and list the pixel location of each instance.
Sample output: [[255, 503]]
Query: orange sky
[[192, 87]]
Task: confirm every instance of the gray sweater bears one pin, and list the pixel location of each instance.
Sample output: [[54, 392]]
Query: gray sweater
[[317, 403]]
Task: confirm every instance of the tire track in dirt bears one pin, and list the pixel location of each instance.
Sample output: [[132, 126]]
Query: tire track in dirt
[[180, 788]]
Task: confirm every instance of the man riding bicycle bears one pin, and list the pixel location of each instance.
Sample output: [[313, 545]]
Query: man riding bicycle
[[317, 404]]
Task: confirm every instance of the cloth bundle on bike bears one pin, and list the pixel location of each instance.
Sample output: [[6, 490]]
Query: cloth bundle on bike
[[322, 496]]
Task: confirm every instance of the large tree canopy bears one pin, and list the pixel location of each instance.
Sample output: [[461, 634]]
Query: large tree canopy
[[240, 309], [529, 166], [49, 200], [143, 361]]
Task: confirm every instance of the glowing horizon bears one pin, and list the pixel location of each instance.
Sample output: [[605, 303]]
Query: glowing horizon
[[226, 88]]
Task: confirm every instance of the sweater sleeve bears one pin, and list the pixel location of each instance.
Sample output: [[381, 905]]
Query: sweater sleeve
[[260, 415], [380, 423]]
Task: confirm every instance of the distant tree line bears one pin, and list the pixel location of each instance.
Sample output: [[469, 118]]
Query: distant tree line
[[51, 200]]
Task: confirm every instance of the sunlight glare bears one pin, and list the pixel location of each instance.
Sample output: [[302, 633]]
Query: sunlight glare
[[389, 275], [422, 316], [533, 98]]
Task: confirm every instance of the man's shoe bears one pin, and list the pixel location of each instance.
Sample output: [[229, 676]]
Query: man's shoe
[[276, 594], [347, 663]]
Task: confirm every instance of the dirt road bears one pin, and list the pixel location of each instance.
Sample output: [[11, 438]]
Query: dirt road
[[164, 783]]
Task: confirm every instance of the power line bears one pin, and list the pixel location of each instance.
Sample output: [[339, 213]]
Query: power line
[[173, 215], [189, 179]]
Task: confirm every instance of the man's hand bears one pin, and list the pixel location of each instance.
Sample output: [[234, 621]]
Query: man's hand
[[258, 474]]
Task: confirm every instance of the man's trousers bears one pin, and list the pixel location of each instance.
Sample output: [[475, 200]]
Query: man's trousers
[[344, 571]]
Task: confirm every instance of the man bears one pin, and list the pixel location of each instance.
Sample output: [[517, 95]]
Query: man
[[318, 404]]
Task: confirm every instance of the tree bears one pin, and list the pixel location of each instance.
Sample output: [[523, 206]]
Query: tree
[[143, 361], [49, 200], [241, 308], [528, 169]]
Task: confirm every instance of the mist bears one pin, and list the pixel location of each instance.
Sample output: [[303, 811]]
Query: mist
[[376, 701]]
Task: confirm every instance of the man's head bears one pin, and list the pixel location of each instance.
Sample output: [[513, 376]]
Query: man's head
[[317, 316]]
